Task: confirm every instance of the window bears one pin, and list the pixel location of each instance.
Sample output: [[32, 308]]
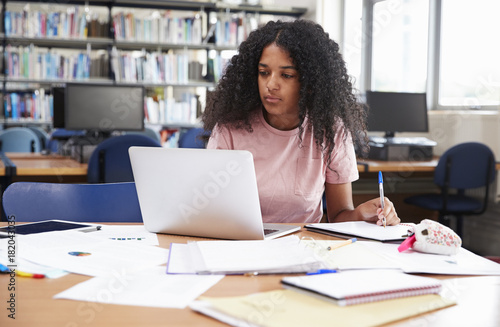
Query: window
[[470, 53], [353, 40], [399, 46], [446, 48]]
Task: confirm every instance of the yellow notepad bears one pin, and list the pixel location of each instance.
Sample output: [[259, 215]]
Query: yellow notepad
[[289, 308]]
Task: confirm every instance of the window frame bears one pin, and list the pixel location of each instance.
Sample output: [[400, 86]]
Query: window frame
[[433, 56]]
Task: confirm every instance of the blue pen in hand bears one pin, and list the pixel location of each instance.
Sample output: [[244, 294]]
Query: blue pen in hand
[[381, 190]]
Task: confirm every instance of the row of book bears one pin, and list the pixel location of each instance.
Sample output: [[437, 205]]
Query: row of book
[[153, 67], [36, 105], [41, 63], [159, 28], [74, 22], [232, 29], [167, 110]]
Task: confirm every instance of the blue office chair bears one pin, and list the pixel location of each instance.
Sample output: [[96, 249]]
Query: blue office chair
[[192, 138], [42, 135], [32, 201], [464, 166], [110, 162], [147, 132], [19, 139], [59, 136]]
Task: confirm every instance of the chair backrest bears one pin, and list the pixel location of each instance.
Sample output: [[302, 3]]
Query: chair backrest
[[467, 165], [192, 138], [19, 139], [43, 136], [147, 132], [59, 136], [32, 201], [110, 162]]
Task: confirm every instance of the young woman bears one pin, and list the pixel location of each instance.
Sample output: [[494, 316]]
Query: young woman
[[286, 97]]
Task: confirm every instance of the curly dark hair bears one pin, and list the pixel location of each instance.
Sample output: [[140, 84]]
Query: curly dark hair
[[326, 92]]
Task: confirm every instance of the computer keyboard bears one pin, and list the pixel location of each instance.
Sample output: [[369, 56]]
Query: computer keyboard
[[269, 231]]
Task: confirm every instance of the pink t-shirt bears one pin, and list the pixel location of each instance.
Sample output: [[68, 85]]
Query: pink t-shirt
[[291, 174]]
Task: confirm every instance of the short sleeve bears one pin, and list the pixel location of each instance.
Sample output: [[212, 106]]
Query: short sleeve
[[220, 138], [343, 168]]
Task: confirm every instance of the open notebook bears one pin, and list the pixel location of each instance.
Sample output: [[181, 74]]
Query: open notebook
[[201, 192], [363, 286], [364, 230]]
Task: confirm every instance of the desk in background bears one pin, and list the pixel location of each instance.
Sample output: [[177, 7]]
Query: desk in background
[[401, 179], [477, 301], [374, 166], [38, 167]]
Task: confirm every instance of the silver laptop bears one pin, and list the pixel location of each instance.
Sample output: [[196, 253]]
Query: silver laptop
[[201, 192]]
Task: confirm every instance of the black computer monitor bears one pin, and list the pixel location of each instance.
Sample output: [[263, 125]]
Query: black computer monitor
[[58, 106], [104, 108], [392, 112]]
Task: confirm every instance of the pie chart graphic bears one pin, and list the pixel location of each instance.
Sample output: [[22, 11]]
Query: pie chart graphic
[[79, 254]]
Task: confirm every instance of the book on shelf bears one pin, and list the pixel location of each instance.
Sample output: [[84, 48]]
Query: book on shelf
[[68, 22], [36, 105], [152, 67], [232, 29], [156, 27], [41, 63], [167, 110]]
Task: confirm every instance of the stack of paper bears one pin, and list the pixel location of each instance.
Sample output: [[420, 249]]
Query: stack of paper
[[282, 255], [81, 253]]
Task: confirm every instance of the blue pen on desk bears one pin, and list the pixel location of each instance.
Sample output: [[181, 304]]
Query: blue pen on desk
[[381, 190], [322, 271], [4, 269]]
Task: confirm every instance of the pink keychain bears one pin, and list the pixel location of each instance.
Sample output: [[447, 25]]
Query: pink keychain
[[432, 237]]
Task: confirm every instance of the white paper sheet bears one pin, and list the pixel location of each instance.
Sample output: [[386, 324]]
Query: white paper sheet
[[179, 260], [79, 253], [464, 263], [352, 256], [282, 255], [151, 288]]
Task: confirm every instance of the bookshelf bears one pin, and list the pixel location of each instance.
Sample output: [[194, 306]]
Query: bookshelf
[[176, 49]]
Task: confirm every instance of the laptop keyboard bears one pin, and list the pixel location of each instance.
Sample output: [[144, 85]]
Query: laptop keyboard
[[268, 231]]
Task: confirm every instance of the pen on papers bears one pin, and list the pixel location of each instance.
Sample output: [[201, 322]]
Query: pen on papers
[[29, 275], [4, 269], [92, 229], [381, 190], [322, 271], [347, 242]]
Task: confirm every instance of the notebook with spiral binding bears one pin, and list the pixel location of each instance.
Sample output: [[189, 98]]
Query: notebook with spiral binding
[[362, 286]]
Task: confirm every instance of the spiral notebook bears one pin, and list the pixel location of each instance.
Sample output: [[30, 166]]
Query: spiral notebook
[[363, 286]]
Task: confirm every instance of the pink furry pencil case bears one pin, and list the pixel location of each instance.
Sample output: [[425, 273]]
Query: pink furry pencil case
[[432, 237]]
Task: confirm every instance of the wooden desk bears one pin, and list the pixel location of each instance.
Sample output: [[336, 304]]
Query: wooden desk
[[35, 164], [478, 301], [374, 166], [46, 168]]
